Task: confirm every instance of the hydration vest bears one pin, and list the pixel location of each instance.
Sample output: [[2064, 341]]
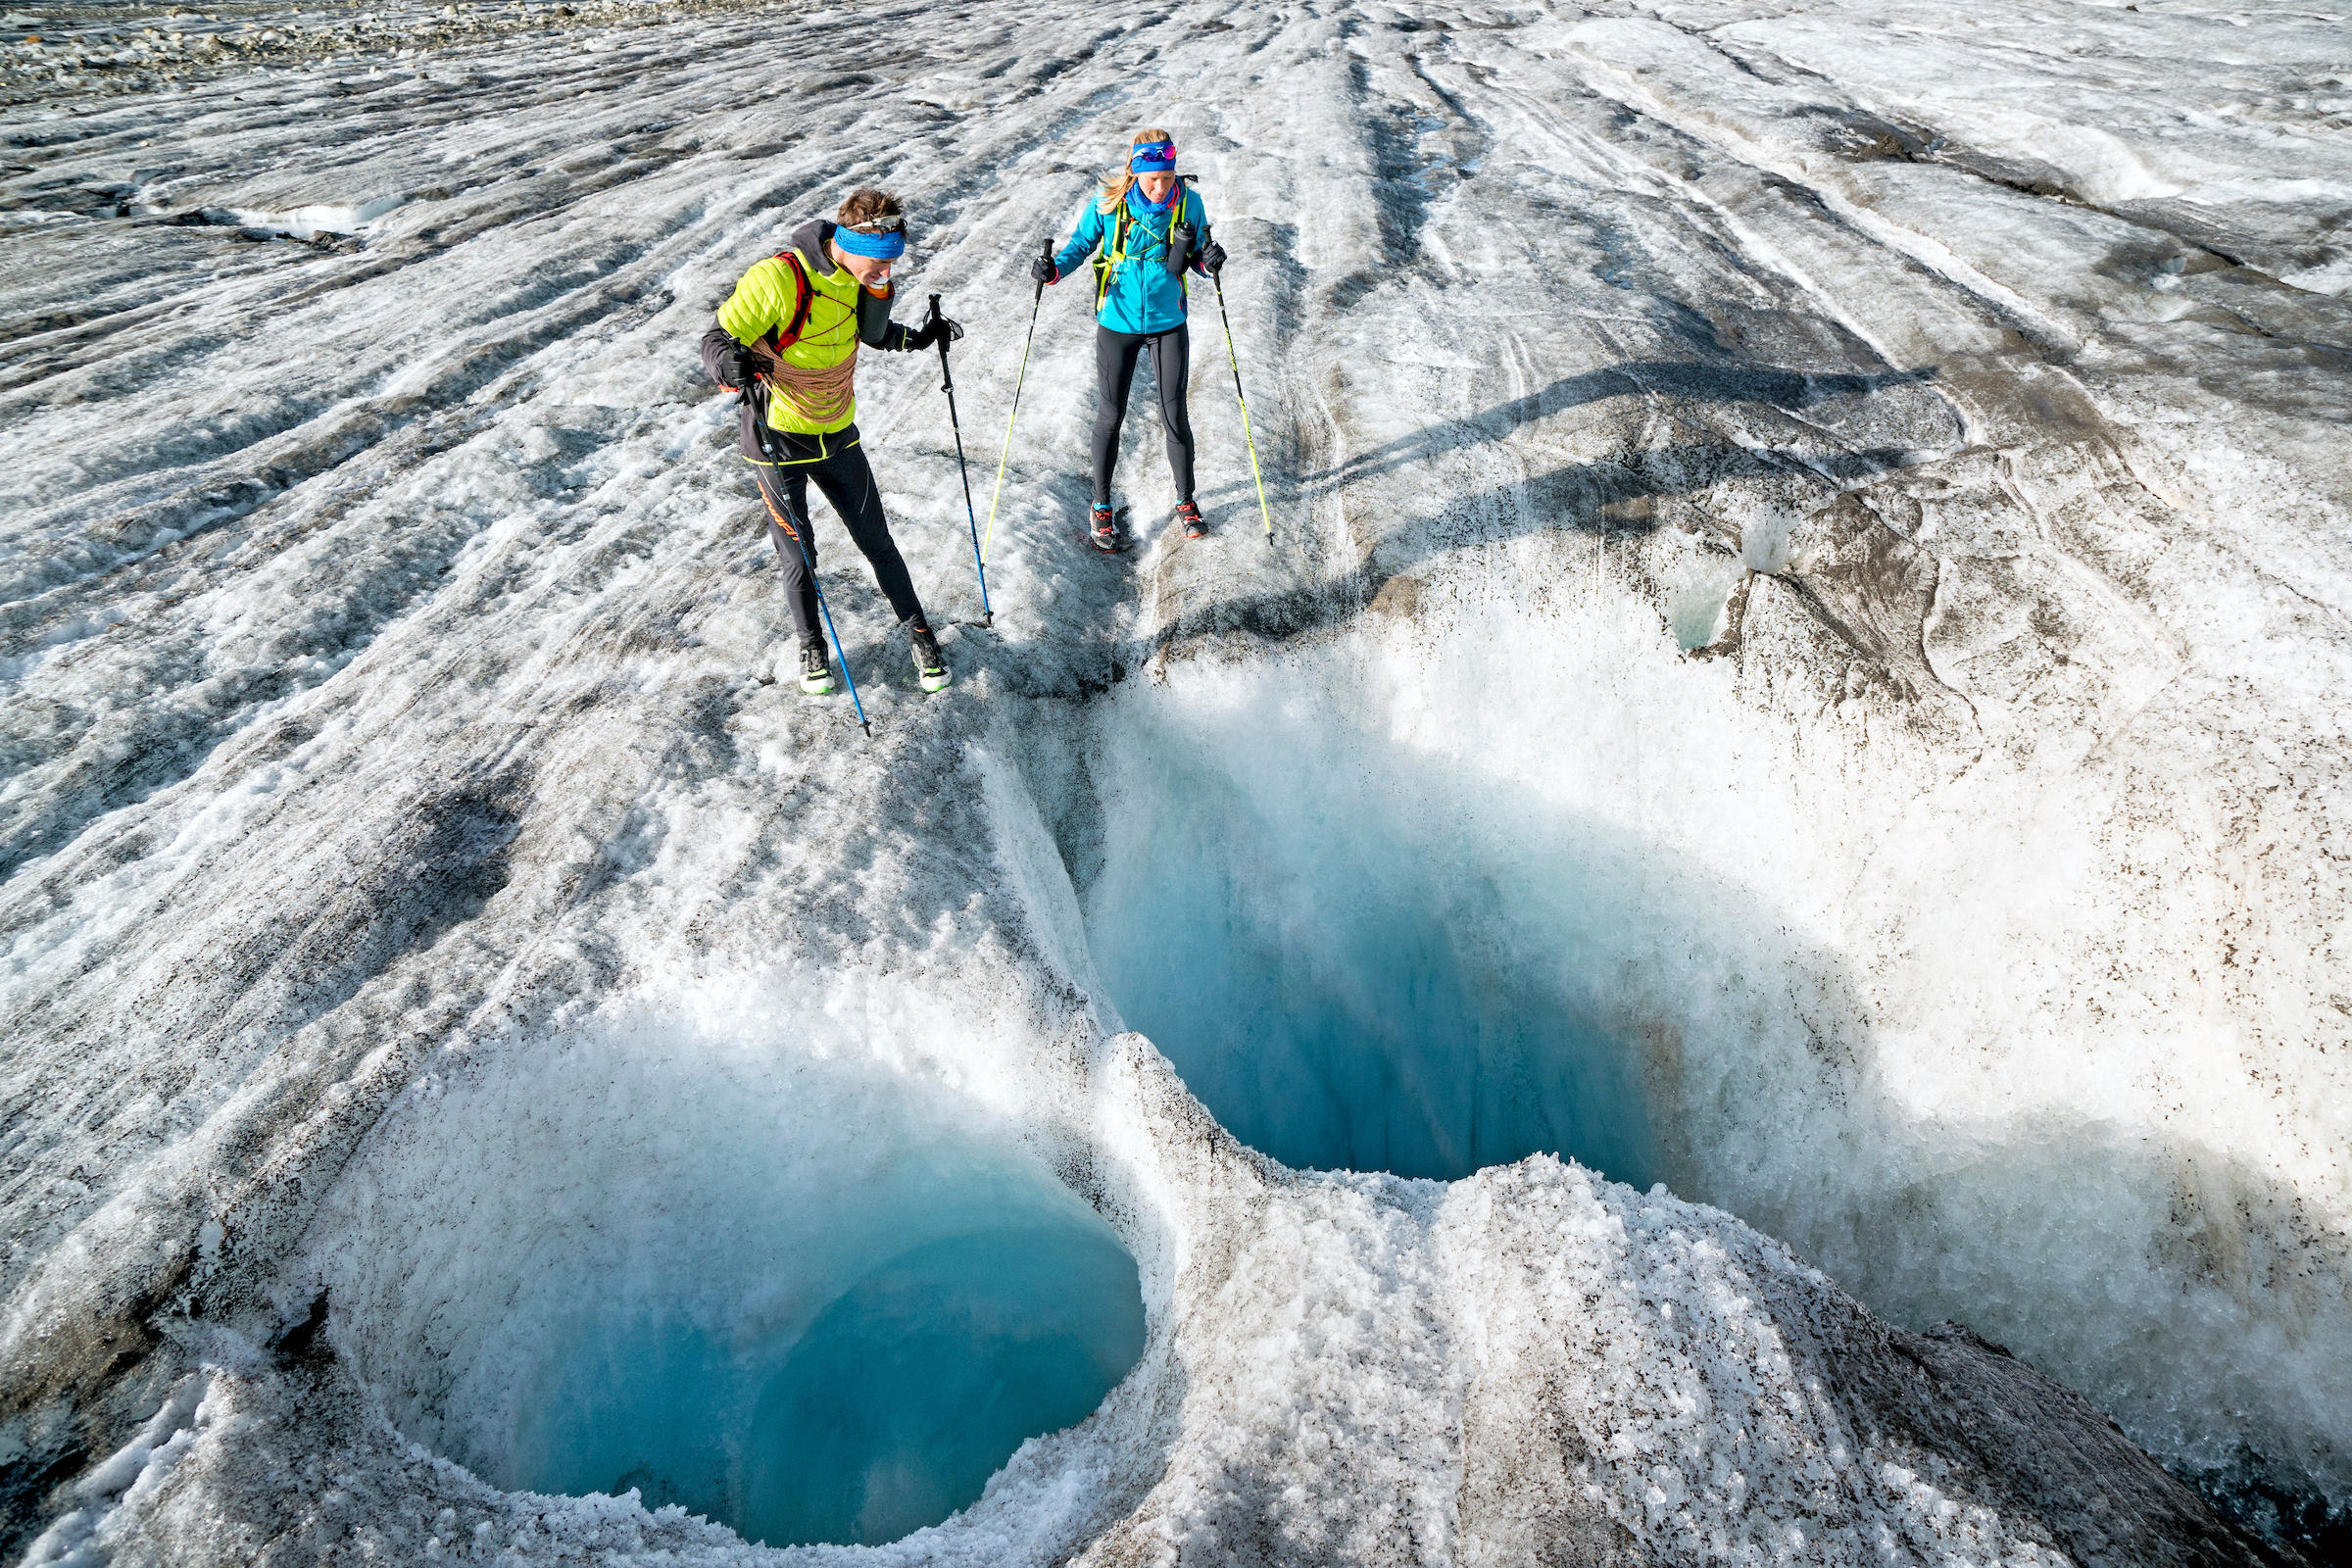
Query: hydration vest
[[1114, 254]]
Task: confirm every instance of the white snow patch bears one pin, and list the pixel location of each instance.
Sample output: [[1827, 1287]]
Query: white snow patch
[[123, 1480], [318, 218]]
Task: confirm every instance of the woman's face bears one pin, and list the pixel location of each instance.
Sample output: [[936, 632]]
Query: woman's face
[[1156, 186]]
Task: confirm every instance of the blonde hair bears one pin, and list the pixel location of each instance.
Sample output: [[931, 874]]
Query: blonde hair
[[1116, 185]]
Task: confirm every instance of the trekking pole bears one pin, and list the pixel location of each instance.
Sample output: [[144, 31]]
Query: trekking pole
[[947, 384], [1047, 252], [1234, 361], [793, 525]]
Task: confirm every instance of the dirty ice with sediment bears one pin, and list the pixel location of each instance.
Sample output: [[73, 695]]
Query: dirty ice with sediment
[[1730, 940]]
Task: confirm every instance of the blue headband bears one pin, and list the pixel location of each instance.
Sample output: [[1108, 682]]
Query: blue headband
[[881, 247], [1152, 158]]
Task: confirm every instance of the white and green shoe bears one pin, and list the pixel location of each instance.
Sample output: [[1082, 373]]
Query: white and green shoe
[[929, 667], [816, 670]]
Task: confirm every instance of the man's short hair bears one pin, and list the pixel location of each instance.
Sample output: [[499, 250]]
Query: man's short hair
[[866, 205]]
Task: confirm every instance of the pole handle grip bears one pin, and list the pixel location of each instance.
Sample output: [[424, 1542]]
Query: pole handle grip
[[946, 382]]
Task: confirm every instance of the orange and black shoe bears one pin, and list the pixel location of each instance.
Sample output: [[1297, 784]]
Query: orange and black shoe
[[1103, 529], [1194, 525]]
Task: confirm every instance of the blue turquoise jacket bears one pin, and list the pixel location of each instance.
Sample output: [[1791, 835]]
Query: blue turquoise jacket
[[1140, 296]]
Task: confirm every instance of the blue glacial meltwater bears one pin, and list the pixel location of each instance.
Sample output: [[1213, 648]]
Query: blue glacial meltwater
[[886, 1413], [1354, 964], [807, 1301]]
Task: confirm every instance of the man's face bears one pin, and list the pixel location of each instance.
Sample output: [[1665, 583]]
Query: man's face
[[871, 271], [1156, 186]]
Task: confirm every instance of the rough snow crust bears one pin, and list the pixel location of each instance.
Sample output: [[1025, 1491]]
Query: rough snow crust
[[1843, 503]]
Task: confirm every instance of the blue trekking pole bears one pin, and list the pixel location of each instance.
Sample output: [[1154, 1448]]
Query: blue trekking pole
[[826, 611], [792, 526], [947, 384]]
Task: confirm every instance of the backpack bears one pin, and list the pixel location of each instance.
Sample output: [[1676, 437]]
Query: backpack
[[779, 341]]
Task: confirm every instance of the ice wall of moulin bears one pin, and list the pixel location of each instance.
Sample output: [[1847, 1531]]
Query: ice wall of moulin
[[1988, 837], [1911, 601]]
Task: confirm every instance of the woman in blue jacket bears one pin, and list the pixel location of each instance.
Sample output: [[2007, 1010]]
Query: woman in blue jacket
[[1144, 231]]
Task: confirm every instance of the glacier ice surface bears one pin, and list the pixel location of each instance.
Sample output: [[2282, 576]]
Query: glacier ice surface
[[1818, 529]]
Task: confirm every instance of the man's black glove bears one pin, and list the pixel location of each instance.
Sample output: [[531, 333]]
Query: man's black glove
[[741, 366], [1212, 258], [1044, 270], [932, 330]]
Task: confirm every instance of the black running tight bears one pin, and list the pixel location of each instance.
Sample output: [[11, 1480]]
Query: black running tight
[[1115, 354], [848, 483]]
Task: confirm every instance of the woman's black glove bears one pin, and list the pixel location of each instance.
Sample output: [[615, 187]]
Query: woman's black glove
[[931, 331], [1044, 270], [1212, 258]]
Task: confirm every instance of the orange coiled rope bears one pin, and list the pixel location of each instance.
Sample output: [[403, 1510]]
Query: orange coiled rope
[[818, 396]]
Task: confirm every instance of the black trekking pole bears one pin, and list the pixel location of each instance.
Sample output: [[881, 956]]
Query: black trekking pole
[[947, 384], [792, 526], [1234, 361], [1035, 300]]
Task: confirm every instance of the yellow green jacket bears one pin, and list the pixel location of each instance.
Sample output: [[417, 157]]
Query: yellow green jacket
[[842, 314]]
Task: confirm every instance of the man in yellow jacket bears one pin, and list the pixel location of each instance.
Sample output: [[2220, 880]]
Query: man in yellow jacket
[[789, 334]]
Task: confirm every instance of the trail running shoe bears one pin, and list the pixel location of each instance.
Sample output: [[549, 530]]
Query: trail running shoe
[[929, 667], [1104, 534], [816, 670], [1194, 525]]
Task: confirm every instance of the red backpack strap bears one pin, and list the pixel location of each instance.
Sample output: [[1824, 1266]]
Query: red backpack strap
[[800, 313]]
